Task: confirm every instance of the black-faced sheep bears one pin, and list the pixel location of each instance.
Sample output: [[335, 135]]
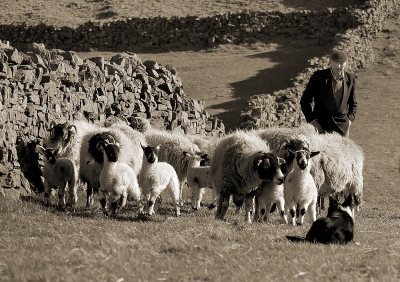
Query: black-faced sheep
[[130, 147], [300, 191], [156, 177], [58, 173], [117, 180], [241, 162]]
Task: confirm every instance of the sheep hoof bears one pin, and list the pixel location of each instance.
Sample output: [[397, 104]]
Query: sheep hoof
[[61, 208], [194, 208]]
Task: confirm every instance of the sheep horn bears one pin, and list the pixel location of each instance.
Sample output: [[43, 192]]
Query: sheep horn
[[52, 124]]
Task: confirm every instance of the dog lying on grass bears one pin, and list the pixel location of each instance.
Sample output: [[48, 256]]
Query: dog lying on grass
[[336, 228]]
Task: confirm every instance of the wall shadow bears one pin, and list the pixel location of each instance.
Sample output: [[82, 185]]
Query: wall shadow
[[318, 5], [288, 61]]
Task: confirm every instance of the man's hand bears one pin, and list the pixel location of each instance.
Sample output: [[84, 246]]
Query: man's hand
[[317, 126]]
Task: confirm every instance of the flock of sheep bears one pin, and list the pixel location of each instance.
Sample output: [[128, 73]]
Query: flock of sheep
[[290, 169]]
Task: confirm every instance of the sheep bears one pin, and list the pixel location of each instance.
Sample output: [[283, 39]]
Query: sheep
[[129, 141], [300, 191], [67, 139], [175, 149], [241, 161], [337, 169], [58, 173], [117, 179], [206, 145], [156, 177], [270, 195], [198, 179]]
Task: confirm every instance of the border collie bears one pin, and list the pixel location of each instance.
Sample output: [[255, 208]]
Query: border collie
[[336, 228]]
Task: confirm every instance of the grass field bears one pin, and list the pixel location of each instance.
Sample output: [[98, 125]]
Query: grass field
[[43, 244]]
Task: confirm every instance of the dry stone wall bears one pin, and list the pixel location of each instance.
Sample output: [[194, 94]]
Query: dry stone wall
[[189, 32], [41, 84]]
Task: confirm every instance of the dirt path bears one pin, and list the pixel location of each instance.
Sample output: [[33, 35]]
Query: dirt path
[[377, 127]]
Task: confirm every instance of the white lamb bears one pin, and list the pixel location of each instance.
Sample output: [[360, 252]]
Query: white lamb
[[156, 177], [270, 195], [58, 173], [117, 180], [172, 146], [199, 178], [241, 162], [300, 191]]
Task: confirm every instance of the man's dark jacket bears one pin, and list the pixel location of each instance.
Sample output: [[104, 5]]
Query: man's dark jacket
[[319, 90]]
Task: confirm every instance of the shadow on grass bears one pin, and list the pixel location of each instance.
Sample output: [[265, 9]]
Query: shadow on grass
[[163, 211]]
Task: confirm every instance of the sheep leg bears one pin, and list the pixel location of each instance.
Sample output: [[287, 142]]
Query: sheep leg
[[223, 204], [47, 192], [61, 196], [151, 203], [292, 210], [117, 201], [248, 203], [175, 199], [281, 207], [103, 201], [89, 195], [215, 199], [300, 214], [72, 194], [257, 210], [196, 197]]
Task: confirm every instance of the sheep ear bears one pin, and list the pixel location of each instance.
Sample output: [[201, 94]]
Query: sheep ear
[[143, 147], [281, 161], [40, 149], [203, 156], [313, 154], [259, 160], [186, 153], [158, 147], [72, 129], [283, 146], [51, 126]]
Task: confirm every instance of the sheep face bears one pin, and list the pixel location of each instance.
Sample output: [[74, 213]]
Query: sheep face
[[112, 151], [297, 150], [61, 136], [197, 158], [270, 167], [95, 152], [50, 154], [303, 157], [151, 153]]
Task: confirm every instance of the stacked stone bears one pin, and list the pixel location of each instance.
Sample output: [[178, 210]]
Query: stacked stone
[[42, 86], [189, 31]]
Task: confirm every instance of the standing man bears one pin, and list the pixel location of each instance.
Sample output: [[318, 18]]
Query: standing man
[[329, 100]]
